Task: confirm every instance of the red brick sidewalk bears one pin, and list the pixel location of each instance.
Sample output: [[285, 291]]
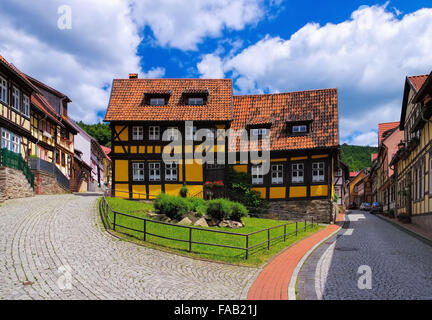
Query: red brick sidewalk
[[411, 227], [272, 283]]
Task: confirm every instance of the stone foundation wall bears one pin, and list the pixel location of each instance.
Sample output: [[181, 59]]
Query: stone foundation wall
[[13, 184], [46, 183], [423, 221], [322, 211]]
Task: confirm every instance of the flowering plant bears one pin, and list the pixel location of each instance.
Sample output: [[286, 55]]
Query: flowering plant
[[218, 183], [208, 184]]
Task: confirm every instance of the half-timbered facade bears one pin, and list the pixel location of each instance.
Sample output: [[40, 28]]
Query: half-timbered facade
[[146, 115], [413, 161], [15, 106], [52, 128]]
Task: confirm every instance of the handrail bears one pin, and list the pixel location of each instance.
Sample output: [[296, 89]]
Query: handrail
[[106, 207]]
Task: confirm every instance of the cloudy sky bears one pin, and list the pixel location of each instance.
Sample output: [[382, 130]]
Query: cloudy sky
[[363, 48]]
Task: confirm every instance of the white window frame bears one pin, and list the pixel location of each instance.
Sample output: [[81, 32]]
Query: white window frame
[[16, 105], [257, 175], [3, 90], [259, 132], [318, 171], [16, 143], [138, 171], [193, 101], [154, 133], [6, 139], [154, 169], [297, 172], [277, 176], [299, 129], [138, 133], [26, 105], [157, 101], [173, 134], [171, 170]]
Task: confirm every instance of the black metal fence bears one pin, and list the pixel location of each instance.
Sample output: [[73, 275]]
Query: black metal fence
[[49, 167], [108, 211]]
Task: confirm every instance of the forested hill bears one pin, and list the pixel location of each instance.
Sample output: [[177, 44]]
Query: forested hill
[[100, 131], [357, 157]]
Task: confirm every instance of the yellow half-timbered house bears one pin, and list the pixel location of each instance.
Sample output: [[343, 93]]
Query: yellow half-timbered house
[[413, 161], [302, 128]]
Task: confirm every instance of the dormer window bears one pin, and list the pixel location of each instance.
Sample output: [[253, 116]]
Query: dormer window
[[194, 97], [156, 97], [299, 124], [259, 132], [299, 129], [195, 101], [157, 101]]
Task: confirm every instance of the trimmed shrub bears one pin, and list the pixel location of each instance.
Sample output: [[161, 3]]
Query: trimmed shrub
[[219, 209], [201, 210], [184, 191], [172, 206], [239, 189], [238, 211], [194, 203]]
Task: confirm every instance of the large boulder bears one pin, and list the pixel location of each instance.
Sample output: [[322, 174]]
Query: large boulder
[[224, 224], [213, 222], [201, 223], [235, 225], [185, 222], [230, 224]]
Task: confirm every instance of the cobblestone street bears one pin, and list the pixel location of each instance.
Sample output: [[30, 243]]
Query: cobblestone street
[[401, 265], [40, 235]]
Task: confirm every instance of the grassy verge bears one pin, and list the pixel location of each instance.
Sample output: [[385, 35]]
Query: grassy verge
[[257, 256]]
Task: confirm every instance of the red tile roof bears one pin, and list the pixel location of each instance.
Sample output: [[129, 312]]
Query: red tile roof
[[374, 156], [383, 127], [319, 105], [126, 103], [417, 81], [18, 73], [106, 150], [353, 174], [37, 99]]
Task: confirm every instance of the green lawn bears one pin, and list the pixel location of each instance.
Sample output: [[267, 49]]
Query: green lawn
[[257, 256]]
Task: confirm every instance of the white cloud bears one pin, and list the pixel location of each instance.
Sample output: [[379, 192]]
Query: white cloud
[[104, 39], [183, 24], [369, 118], [366, 139], [366, 57], [80, 62], [211, 67]]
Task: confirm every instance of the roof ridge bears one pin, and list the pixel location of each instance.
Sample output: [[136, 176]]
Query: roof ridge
[[282, 93]]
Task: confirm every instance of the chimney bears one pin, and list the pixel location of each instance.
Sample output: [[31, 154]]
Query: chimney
[[133, 75]]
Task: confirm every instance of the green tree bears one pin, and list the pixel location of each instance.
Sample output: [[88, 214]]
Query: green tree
[[357, 157], [100, 131]]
